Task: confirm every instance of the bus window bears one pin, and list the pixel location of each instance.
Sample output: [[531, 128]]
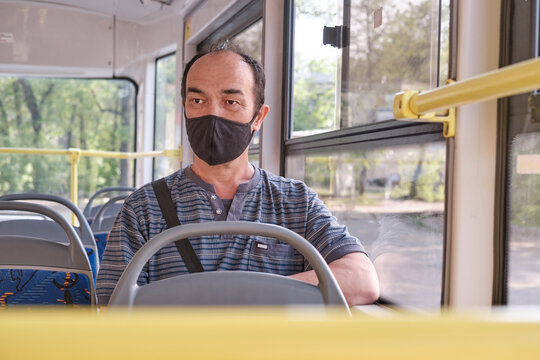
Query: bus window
[[385, 180], [520, 175], [250, 40], [524, 220], [385, 47], [47, 113], [166, 131], [392, 199]]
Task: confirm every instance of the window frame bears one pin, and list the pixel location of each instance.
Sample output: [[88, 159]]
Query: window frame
[[517, 44], [243, 19], [155, 104]]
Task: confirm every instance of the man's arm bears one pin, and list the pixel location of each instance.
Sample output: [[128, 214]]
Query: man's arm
[[355, 275]]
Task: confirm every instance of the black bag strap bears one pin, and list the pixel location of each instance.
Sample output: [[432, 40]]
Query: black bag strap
[[168, 209]]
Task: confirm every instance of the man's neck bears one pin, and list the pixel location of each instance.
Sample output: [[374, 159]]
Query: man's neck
[[225, 177]]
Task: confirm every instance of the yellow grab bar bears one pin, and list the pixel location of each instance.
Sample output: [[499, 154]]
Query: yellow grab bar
[[509, 80], [75, 155]]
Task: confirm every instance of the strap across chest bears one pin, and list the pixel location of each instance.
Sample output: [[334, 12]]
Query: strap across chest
[[193, 264]]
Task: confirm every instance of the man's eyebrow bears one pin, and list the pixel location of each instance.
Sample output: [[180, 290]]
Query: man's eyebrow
[[232, 91], [194, 90]]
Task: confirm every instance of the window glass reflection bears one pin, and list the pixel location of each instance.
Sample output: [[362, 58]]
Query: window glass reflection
[[524, 221], [392, 199], [250, 40]]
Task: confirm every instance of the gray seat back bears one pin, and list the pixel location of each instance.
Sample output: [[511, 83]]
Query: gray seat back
[[33, 227], [105, 217], [90, 210], [227, 288]]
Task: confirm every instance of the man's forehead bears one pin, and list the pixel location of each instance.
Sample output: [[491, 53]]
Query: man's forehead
[[220, 63]]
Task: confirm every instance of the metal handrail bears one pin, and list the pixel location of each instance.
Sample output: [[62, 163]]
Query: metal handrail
[[75, 155], [507, 81]]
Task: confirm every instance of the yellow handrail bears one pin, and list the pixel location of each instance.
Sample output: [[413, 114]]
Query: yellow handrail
[[75, 155], [507, 81]]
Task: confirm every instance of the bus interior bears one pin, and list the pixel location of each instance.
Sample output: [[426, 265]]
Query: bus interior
[[445, 199]]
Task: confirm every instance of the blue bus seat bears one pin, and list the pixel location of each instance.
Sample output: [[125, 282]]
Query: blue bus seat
[[228, 287], [101, 241], [35, 270]]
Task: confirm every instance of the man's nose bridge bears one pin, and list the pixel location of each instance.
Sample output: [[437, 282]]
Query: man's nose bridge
[[214, 107]]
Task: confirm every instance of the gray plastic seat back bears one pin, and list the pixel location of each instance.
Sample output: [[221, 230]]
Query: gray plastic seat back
[[105, 217], [231, 287], [90, 211], [33, 227], [40, 253]]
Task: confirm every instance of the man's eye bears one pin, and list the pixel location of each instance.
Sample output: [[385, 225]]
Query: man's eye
[[232, 102], [197, 101]]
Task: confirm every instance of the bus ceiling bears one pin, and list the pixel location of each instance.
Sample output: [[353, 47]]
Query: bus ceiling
[[79, 38]]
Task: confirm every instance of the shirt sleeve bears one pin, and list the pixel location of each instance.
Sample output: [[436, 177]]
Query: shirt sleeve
[[324, 232], [125, 239]]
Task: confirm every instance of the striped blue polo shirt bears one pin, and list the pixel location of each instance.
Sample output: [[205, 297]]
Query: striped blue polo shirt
[[266, 198]]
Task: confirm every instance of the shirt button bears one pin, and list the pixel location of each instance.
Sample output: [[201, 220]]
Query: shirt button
[[213, 197], [219, 211]]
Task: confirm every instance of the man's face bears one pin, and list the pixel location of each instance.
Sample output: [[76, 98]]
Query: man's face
[[221, 84]]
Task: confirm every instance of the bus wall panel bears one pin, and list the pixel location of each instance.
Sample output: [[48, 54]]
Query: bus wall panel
[[136, 45], [39, 40], [472, 219]]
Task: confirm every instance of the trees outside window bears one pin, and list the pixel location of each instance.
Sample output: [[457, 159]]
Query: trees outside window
[[45, 113]]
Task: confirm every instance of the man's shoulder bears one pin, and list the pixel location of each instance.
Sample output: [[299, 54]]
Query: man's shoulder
[[283, 184], [146, 192], [271, 177]]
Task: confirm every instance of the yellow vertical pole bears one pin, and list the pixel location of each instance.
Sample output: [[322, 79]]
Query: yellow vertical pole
[[74, 157]]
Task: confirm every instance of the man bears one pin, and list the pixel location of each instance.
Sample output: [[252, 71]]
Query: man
[[223, 98]]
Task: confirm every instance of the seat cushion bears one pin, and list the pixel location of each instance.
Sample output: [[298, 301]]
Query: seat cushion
[[43, 287]]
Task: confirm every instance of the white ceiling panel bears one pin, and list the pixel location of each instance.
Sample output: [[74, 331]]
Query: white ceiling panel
[[138, 11]]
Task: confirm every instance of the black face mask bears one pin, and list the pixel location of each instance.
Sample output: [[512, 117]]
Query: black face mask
[[216, 140]]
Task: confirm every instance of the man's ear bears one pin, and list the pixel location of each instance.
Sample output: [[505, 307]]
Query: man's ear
[[261, 115]]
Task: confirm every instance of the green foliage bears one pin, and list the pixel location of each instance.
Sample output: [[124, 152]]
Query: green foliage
[[318, 173], [314, 96], [322, 9], [422, 176], [60, 114], [250, 40], [405, 48], [381, 60], [384, 60]]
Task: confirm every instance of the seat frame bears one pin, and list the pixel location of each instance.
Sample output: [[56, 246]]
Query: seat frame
[[86, 233], [227, 287], [90, 212]]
